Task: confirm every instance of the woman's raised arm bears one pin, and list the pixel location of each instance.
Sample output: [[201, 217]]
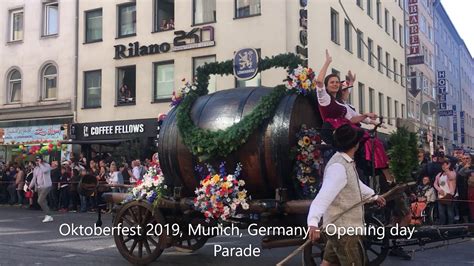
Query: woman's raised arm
[[322, 72]]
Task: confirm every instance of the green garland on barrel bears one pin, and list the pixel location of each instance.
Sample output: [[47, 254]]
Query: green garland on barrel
[[207, 144]]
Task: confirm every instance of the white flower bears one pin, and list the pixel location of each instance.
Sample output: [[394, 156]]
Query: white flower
[[241, 183], [233, 206], [245, 206], [230, 178]]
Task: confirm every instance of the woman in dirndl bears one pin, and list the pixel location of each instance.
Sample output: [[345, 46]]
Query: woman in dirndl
[[336, 113]]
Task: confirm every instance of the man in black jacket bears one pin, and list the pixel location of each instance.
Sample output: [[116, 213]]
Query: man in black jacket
[[53, 197]]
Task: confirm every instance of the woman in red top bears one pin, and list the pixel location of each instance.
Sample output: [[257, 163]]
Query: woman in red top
[[335, 113]]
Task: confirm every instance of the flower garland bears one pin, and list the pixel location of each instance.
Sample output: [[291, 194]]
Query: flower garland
[[177, 97], [307, 164], [151, 188], [301, 81], [207, 144], [219, 195]]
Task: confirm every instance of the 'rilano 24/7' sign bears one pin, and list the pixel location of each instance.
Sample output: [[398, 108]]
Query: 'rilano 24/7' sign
[[196, 38]]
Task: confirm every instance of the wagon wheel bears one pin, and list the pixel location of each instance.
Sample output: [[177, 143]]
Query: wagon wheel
[[139, 247], [376, 249], [313, 254], [190, 243]]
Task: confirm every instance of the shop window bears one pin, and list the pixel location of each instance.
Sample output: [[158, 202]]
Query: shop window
[[14, 86], [93, 25], [50, 18], [204, 11], [200, 61], [126, 81], [247, 8], [49, 89], [164, 80], [16, 25], [92, 88], [127, 20], [164, 15]]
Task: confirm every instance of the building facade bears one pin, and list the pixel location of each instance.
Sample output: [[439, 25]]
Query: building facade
[[369, 41], [134, 54], [38, 72], [421, 85], [454, 65]]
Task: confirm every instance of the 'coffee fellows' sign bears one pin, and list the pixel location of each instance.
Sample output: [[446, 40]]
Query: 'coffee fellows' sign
[[245, 64], [126, 129], [196, 38]]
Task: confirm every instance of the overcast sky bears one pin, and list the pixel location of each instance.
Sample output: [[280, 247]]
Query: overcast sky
[[461, 14]]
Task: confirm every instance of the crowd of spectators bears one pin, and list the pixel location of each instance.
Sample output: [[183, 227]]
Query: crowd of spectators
[[64, 195], [447, 184]]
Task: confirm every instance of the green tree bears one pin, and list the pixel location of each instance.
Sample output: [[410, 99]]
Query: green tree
[[403, 154]]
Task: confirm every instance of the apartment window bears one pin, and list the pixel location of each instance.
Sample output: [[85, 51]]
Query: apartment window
[[396, 109], [247, 8], [93, 25], [430, 33], [387, 64], [387, 15], [369, 8], [394, 29], [127, 20], [361, 88], [16, 25], [378, 8], [347, 36], [200, 61], [403, 110], [379, 58], [164, 80], [395, 72], [204, 11], [334, 26], [164, 15], [402, 75], [400, 35], [14, 86], [371, 100], [360, 3], [370, 45], [381, 104], [50, 18], [49, 79], [360, 45], [92, 88], [126, 85], [389, 111]]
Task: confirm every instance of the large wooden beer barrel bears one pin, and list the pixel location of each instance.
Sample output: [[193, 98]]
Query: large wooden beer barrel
[[265, 157]]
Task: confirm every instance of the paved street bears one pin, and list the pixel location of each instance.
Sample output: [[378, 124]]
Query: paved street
[[24, 240]]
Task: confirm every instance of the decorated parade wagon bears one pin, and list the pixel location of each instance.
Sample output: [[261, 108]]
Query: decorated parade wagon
[[241, 157]]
